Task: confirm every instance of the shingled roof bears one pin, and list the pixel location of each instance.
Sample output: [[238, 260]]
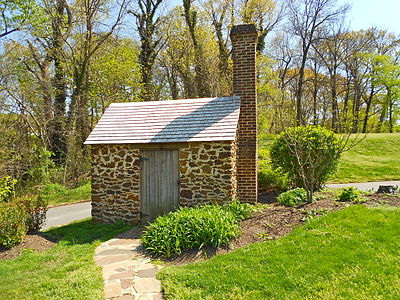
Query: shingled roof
[[188, 120]]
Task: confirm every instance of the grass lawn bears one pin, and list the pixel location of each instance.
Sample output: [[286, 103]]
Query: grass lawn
[[57, 194], [376, 158], [67, 271], [349, 254]]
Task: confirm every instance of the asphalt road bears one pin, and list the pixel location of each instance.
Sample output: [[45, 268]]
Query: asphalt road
[[364, 186], [65, 214]]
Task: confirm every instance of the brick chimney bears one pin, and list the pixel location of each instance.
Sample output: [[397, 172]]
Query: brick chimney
[[244, 41]]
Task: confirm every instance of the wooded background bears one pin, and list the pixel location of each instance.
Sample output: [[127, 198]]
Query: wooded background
[[64, 61]]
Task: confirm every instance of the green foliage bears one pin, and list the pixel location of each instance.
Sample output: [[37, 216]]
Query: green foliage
[[270, 179], [350, 194], [23, 214], [308, 155], [293, 197], [13, 225], [35, 208], [58, 194], [7, 185], [187, 228], [241, 211]]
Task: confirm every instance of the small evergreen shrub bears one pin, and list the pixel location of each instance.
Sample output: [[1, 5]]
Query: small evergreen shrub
[[293, 197], [13, 226], [197, 227], [350, 194]]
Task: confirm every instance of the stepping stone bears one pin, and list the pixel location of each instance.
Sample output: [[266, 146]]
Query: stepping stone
[[126, 283], [122, 275], [145, 266], [112, 289], [158, 296], [147, 285], [147, 273], [124, 242], [108, 260], [124, 297], [115, 252]]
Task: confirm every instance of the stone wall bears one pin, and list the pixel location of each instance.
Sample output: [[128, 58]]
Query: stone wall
[[207, 174], [115, 183]]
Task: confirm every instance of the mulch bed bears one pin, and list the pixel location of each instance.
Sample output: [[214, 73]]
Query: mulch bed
[[35, 242], [278, 221]]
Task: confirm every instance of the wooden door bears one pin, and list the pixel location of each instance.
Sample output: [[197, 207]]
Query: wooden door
[[159, 183]]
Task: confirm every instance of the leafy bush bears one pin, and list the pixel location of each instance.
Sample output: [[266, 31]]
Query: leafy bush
[[241, 211], [293, 197], [196, 227], [19, 216], [350, 194], [12, 226], [35, 208], [6, 188], [270, 179], [308, 155]]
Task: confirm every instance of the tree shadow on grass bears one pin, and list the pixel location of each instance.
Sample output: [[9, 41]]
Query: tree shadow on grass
[[85, 232]]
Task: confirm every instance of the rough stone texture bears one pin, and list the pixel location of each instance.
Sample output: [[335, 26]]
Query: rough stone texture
[[129, 279], [115, 183], [207, 174], [244, 41]]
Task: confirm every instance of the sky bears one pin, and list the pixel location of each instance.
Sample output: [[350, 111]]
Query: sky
[[384, 14]]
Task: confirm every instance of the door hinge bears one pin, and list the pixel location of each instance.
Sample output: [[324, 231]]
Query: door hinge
[[141, 158], [178, 182]]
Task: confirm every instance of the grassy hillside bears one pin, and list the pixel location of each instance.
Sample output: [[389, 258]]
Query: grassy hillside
[[376, 158]]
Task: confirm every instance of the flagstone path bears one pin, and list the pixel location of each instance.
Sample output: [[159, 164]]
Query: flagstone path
[[127, 272]]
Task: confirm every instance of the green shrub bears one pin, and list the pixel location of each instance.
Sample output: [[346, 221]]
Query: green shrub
[[269, 179], [241, 211], [6, 188], [189, 228], [12, 226], [23, 214], [293, 197], [35, 208], [350, 194], [308, 155]]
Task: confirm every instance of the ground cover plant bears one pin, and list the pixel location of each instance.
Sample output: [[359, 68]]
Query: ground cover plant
[[293, 197], [66, 271], [326, 258], [197, 227]]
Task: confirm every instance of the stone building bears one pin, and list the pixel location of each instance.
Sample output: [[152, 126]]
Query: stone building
[[150, 157]]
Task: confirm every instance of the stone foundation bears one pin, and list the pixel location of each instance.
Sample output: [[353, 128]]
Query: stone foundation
[[207, 174]]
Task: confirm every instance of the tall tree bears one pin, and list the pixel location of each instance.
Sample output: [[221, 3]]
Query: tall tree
[[306, 17], [191, 18], [147, 22]]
